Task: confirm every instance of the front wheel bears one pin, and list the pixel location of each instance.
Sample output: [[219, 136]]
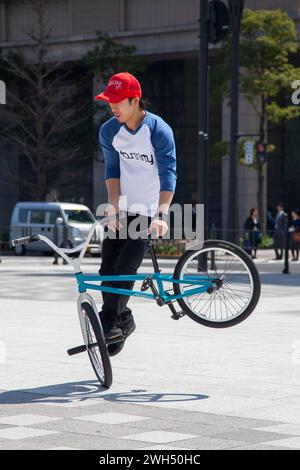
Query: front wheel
[[19, 250], [95, 343], [227, 279]]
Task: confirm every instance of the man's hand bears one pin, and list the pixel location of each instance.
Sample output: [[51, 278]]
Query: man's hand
[[114, 224], [159, 227]]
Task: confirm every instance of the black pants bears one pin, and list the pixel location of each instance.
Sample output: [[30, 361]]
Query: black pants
[[278, 243], [121, 256]]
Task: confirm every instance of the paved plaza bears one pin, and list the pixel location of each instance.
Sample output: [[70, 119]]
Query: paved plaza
[[177, 384]]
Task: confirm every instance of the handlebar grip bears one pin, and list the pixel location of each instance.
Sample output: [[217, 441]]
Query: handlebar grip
[[104, 219], [23, 240]]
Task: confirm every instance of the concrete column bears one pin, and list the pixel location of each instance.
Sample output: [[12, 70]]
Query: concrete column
[[247, 177], [122, 19], [2, 22], [99, 188], [69, 17]]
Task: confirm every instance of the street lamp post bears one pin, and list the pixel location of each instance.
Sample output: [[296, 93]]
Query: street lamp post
[[203, 111], [235, 10]]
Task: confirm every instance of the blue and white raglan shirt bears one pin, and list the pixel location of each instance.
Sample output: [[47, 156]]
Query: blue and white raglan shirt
[[144, 160]]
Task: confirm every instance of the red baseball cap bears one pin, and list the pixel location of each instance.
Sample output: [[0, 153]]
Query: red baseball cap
[[120, 86]]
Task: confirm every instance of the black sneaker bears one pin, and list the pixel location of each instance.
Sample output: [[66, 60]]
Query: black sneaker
[[127, 326], [110, 330]]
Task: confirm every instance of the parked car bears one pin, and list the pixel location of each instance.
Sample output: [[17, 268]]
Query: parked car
[[73, 224]]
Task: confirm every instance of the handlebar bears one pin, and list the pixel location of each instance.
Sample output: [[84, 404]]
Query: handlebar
[[64, 252], [23, 240], [37, 237]]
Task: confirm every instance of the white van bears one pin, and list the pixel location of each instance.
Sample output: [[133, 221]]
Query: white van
[[29, 218]]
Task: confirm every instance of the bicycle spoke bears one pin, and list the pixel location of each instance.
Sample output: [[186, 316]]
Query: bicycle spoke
[[229, 298], [94, 352]]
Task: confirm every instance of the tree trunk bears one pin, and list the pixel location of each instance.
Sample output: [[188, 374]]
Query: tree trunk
[[260, 195], [261, 165]]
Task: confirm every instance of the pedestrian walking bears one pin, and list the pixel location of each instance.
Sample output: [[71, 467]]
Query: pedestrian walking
[[281, 221], [295, 234], [140, 176], [252, 234], [270, 221], [194, 215]]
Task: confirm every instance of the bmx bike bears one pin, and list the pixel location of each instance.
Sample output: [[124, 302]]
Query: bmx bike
[[216, 284]]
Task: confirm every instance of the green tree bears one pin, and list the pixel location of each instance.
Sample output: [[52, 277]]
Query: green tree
[[41, 115], [47, 120], [109, 57], [268, 42]]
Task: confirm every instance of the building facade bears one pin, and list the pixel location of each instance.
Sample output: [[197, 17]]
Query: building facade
[[166, 36]]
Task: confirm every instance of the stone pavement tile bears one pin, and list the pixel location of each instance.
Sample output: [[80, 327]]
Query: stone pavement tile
[[188, 416], [165, 417], [281, 414], [83, 443], [87, 441], [162, 447], [260, 447], [37, 409], [208, 443], [291, 442], [205, 430], [176, 426], [291, 429], [220, 404], [23, 444], [91, 428], [56, 408], [181, 416], [23, 432], [4, 426], [230, 421], [252, 435], [159, 437], [26, 419], [149, 411], [63, 448], [112, 418]]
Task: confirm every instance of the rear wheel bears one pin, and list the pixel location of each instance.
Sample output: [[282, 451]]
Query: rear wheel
[[231, 278], [95, 343]]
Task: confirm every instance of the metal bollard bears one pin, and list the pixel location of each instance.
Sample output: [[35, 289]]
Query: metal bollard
[[286, 251], [55, 240], [213, 237], [65, 239], [65, 242]]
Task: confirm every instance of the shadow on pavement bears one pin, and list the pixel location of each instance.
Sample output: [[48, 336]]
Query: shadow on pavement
[[74, 392], [141, 396]]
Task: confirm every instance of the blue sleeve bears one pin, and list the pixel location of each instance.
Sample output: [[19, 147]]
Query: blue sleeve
[[111, 156], [162, 139]]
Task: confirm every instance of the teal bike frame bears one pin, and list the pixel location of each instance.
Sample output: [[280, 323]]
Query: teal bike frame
[[85, 282], [203, 284]]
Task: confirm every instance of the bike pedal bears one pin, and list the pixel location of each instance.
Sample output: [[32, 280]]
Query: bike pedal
[[177, 315], [118, 339]]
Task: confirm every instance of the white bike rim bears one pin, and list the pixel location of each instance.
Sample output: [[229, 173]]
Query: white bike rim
[[186, 299]]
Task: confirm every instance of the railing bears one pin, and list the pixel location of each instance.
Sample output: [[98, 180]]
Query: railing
[[173, 247]]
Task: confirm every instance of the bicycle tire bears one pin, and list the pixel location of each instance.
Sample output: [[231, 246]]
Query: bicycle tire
[[234, 250], [92, 334]]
